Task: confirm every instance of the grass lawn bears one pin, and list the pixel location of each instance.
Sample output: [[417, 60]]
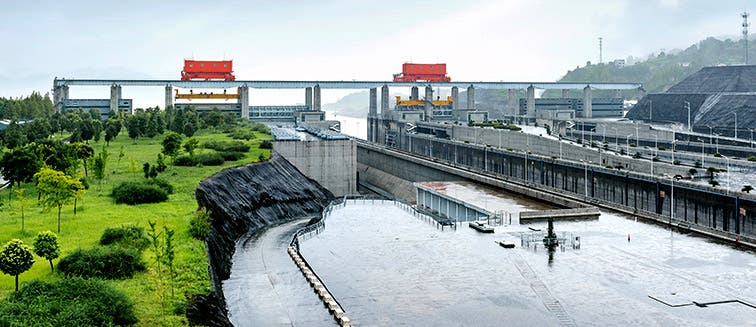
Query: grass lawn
[[96, 211]]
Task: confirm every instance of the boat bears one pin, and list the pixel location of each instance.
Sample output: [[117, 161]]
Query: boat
[[481, 227], [506, 245]]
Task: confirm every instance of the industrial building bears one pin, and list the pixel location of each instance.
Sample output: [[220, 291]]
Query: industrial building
[[103, 105], [568, 108]]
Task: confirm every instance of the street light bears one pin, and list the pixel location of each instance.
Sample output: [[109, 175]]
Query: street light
[[604, 135], [627, 143], [616, 139], [703, 163], [736, 122], [637, 140], [727, 160], [586, 177], [650, 110], [674, 141], [687, 104]]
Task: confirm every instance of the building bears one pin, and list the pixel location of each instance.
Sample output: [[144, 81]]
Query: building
[[103, 105], [549, 108]]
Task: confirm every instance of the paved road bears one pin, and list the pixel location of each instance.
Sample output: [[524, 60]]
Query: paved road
[[267, 289]]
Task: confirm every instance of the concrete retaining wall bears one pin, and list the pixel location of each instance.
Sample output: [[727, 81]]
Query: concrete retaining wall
[[332, 163]]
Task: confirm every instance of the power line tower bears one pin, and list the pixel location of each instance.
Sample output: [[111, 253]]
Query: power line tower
[[601, 50], [745, 33]]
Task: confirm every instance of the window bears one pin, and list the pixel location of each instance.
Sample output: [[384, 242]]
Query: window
[[225, 65], [191, 65], [202, 65], [215, 65]]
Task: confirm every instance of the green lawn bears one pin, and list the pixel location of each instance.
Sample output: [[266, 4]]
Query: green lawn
[[97, 211]]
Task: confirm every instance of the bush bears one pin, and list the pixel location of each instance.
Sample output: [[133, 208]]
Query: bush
[[241, 133], [751, 158], [138, 192], [232, 155], [718, 155], [130, 237], [676, 162], [185, 160], [67, 302], [266, 144], [221, 146], [199, 226], [162, 184], [209, 159], [102, 262]]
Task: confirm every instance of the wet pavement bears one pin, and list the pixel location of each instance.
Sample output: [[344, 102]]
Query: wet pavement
[[267, 289], [387, 268]]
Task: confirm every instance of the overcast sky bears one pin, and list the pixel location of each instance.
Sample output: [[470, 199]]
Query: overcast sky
[[513, 40]]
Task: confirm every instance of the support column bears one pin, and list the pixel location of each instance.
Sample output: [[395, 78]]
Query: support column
[[428, 103], [244, 101], [115, 96], [316, 98], [60, 94], [512, 103], [587, 102], [372, 113], [414, 93], [531, 110], [470, 98], [565, 93], [308, 98], [384, 99], [168, 96], [455, 98]]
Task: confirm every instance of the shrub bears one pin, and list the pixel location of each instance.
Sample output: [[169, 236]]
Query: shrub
[[185, 160], [676, 162], [718, 155], [138, 192], [751, 158], [102, 262], [209, 159], [241, 133], [232, 155], [698, 164], [267, 144], [67, 302], [199, 226], [162, 184], [221, 146], [131, 237]]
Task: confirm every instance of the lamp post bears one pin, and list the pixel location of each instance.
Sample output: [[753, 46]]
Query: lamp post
[[703, 163], [650, 110], [674, 140], [586, 177], [687, 105], [637, 140], [627, 143], [656, 145], [717, 137], [751, 138], [604, 134], [736, 122], [616, 139], [727, 160]]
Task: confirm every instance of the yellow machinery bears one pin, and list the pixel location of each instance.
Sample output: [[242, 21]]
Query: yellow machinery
[[204, 95], [414, 103]]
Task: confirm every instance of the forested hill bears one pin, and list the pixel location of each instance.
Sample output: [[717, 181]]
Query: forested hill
[[661, 70]]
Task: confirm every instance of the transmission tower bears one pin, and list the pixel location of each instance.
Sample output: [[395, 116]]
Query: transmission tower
[[745, 33], [601, 50]]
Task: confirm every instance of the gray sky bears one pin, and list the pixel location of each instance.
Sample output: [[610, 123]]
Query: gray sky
[[513, 40]]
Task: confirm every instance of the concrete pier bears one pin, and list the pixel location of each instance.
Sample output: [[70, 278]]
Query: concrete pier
[[565, 93], [115, 95], [60, 93], [530, 105], [316, 98], [414, 93], [308, 98], [587, 102], [428, 103], [512, 107], [168, 96], [384, 99], [455, 98], [372, 113], [244, 101], [470, 98]]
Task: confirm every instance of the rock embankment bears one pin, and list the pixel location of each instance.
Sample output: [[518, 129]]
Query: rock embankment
[[246, 200]]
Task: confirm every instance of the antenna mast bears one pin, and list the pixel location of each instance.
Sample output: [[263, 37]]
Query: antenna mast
[[745, 33], [601, 50]]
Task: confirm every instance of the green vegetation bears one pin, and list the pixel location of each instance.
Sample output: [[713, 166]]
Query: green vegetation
[[138, 192], [46, 246], [497, 125], [15, 258], [130, 237], [102, 262], [69, 302], [747, 189], [658, 71], [158, 293]]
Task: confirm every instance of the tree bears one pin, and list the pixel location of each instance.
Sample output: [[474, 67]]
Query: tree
[[99, 166], [57, 189], [14, 135], [112, 128], [46, 245], [83, 152], [15, 258], [747, 189], [169, 253], [190, 145], [711, 171], [171, 144], [20, 165], [21, 203]]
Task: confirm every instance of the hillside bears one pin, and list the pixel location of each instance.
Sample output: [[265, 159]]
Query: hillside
[[659, 71]]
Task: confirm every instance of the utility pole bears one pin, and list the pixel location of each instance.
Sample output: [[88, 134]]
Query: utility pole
[[601, 50], [745, 33]]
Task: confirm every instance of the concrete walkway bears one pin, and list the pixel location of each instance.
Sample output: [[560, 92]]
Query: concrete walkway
[[267, 289]]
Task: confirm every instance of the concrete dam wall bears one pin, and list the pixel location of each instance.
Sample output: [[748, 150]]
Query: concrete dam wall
[[247, 200]]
